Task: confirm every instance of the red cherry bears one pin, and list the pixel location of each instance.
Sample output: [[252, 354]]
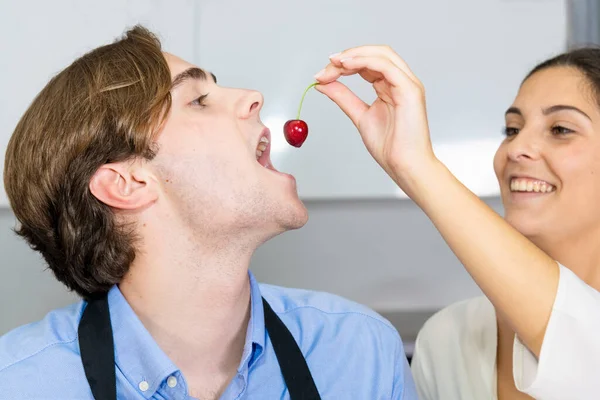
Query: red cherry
[[295, 132]]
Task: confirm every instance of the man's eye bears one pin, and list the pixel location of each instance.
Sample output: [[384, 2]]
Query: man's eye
[[200, 101]]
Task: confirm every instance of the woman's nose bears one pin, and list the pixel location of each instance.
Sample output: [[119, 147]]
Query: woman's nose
[[525, 145]]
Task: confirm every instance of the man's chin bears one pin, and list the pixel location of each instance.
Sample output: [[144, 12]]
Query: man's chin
[[297, 224], [294, 217], [295, 220], [284, 226]]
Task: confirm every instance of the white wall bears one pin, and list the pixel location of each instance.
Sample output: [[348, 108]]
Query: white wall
[[471, 55]]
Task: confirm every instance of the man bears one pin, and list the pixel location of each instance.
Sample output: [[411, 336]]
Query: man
[[147, 188]]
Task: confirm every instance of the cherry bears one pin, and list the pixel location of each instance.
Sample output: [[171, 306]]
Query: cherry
[[296, 130]]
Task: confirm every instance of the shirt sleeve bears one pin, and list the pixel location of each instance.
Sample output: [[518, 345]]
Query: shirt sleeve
[[404, 386], [570, 355]]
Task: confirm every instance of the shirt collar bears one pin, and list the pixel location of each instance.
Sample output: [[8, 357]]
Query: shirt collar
[[256, 332], [137, 355], [140, 358]]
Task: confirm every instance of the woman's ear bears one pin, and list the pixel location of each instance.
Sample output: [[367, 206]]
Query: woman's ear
[[124, 185]]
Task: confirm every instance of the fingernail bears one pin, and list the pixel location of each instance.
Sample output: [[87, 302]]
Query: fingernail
[[319, 74], [334, 55], [343, 60]]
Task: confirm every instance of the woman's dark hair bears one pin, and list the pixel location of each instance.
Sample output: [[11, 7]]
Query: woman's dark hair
[[585, 59]]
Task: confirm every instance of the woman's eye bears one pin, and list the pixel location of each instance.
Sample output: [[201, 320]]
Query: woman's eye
[[560, 130], [508, 131]]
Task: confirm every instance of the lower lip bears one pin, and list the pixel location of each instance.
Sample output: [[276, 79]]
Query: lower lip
[[276, 172], [271, 168], [527, 195]]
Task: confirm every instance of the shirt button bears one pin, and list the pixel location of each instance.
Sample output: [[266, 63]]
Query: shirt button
[[172, 381], [144, 386]]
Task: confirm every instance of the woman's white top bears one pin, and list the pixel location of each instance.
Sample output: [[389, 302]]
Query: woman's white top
[[455, 352]]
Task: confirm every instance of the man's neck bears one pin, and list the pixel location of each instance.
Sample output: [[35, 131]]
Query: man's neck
[[196, 305]]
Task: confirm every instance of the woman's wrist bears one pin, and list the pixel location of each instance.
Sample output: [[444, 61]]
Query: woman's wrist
[[418, 177]]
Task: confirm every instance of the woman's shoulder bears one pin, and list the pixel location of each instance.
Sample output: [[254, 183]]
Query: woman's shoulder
[[455, 352], [465, 322]]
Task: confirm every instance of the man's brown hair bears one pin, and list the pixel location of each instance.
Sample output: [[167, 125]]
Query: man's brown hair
[[105, 107]]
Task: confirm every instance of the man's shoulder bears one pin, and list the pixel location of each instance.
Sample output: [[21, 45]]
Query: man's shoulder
[[343, 342], [302, 304], [50, 343]]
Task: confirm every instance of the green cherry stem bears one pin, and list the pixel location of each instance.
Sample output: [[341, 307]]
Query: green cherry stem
[[302, 100]]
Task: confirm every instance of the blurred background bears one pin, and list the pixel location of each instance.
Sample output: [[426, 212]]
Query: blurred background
[[365, 240]]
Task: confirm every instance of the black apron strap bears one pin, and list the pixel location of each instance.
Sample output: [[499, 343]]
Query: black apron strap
[[293, 366], [97, 349], [98, 355]]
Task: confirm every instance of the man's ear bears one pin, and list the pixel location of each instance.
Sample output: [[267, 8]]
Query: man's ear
[[124, 185]]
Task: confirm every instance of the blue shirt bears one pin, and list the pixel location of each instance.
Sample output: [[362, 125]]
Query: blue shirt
[[352, 352]]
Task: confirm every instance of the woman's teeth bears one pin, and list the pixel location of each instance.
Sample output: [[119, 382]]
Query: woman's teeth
[[528, 185]]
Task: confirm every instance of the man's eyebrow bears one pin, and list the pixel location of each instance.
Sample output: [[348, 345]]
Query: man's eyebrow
[[191, 73]]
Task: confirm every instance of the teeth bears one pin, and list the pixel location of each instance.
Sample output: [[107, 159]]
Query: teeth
[[527, 185], [262, 146]]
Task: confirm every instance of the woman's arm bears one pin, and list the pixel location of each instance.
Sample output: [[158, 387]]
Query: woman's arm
[[519, 279]]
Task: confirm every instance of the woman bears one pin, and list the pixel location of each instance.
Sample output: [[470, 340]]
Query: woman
[[548, 169]]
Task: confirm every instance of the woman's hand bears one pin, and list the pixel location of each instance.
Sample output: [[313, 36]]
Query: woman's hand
[[394, 128]]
